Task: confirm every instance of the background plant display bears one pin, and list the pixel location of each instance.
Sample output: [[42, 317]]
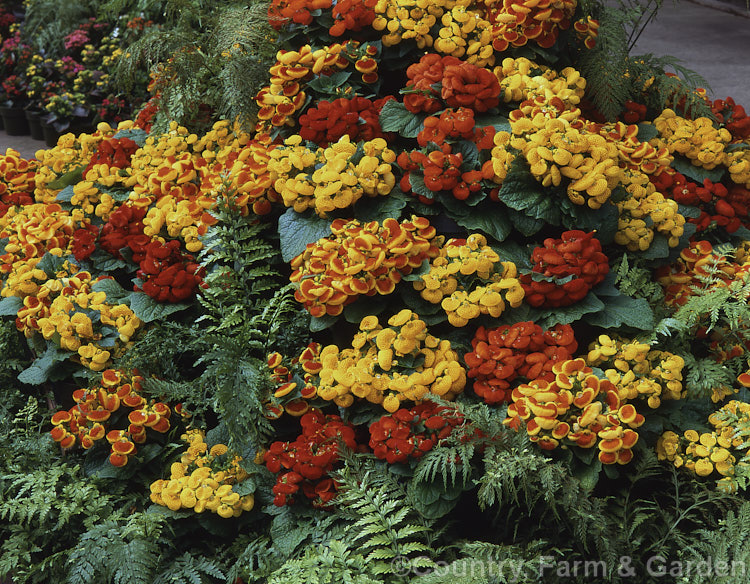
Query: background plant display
[[436, 301]]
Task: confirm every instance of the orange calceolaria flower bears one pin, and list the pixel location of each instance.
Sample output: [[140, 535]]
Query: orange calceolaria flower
[[359, 260]]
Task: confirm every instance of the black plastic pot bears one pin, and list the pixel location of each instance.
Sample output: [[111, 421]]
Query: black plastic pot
[[33, 117], [14, 120]]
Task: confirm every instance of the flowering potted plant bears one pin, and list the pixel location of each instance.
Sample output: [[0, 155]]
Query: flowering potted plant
[[64, 112], [14, 58]]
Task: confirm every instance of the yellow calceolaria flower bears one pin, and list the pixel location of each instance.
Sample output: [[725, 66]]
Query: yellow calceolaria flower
[[637, 370], [472, 259], [202, 481], [390, 365], [327, 179], [646, 212], [698, 140], [408, 19]]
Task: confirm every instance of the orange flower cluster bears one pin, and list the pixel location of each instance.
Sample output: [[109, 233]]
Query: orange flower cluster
[[699, 260], [86, 422], [632, 153], [587, 29], [576, 409], [290, 396], [517, 22], [17, 181], [280, 100], [359, 260]]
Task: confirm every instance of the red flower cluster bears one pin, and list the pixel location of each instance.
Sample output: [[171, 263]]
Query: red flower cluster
[[455, 82], [328, 121], [284, 12], [732, 117], [306, 462], [84, 241], [441, 171], [718, 206], [352, 15], [168, 274], [409, 433], [146, 115], [114, 152], [577, 254], [86, 422], [634, 112], [455, 124], [18, 183], [507, 352], [124, 228]]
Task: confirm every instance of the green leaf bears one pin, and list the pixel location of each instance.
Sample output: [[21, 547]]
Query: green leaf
[[69, 178], [603, 220], [697, 173], [522, 192], [500, 123], [588, 474], [658, 249], [51, 264], [135, 134], [489, 218], [646, 131], [65, 195], [623, 310], [329, 84], [525, 224], [548, 317], [380, 208], [106, 262], [115, 293], [363, 307], [394, 117], [10, 306], [296, 230], [319, 323], [469, 153], [149, 310], [39, 370]]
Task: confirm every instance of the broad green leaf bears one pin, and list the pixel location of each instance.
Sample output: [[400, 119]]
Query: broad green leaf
[[51, 264], [394, 117], [697, 173], [522, 192], [380, 208], [523, 223], [548, 317], [69, 178], [149, 310], [659, 248], [489, 218], [9, 306], [603, 220], [296, 230], [623, 310], [115, 293], [646, 131], [135, 134], [363, 307], [65, 195], [39, 370], [319, 323], [500, 123]]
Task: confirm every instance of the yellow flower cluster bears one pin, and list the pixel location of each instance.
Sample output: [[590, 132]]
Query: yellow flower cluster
[[387, 366], [408, 19], [465, 34], [697, 139], [637, 371], [62, 313], [202, 480], [474, 259], [522, 79], [646, 212], [71, 153], [329, 178], [703, 454], [555, 149], [738, 163]]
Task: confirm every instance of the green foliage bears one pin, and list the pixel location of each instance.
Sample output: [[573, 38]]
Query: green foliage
[[634, 279], [385, 526], [216, 58], [727, 545], [328, 563]]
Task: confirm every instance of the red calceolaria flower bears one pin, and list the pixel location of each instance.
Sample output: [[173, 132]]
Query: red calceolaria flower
[[305, 462], [503, 354], [409, 433], [168, 274], [577, 254], [356, 117]]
